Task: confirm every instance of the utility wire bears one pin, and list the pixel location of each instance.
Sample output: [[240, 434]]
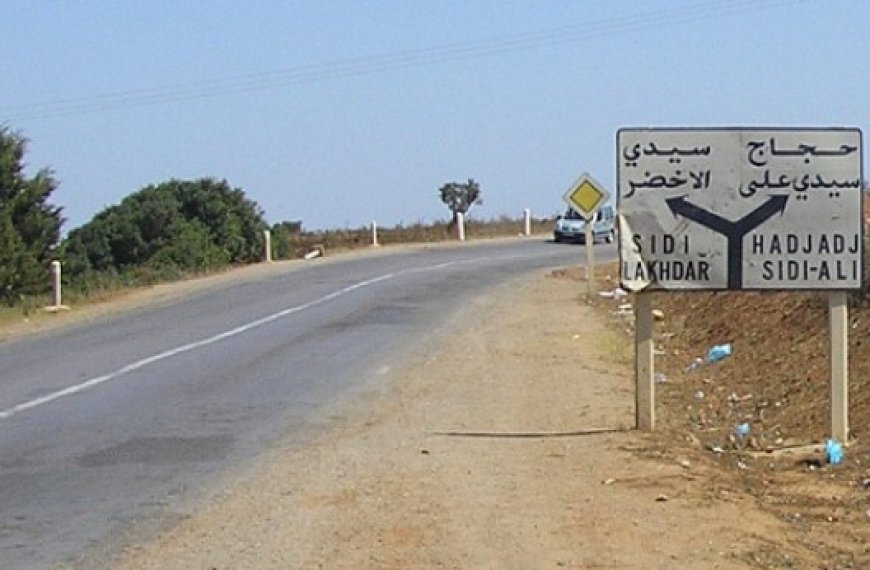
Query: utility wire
[[384, 63]]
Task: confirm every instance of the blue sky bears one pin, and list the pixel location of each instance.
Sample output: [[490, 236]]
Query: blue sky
[[337, 113]]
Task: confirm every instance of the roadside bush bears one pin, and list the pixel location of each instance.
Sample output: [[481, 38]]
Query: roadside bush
[[185, 225]]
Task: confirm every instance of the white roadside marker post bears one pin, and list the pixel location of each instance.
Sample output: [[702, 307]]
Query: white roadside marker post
[[375, 234], [56, 289], [268, 248], [55, 273], [460, 225], [527, 222]]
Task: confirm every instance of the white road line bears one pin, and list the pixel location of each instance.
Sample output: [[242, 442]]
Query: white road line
[[93, 382]]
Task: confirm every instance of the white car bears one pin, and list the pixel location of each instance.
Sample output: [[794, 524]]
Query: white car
[[572, 227]]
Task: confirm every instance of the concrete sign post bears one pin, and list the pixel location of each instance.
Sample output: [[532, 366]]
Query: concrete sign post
[[745, 209], [585, 196], [645, 413], [838, 316]]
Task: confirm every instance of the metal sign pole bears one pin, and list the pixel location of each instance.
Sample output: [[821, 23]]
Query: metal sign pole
[[590, 260]]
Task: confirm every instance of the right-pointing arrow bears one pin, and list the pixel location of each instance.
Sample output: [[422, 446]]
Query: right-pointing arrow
[[761, 214]]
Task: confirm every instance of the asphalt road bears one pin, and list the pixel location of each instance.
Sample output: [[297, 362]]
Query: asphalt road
[[128, 421]]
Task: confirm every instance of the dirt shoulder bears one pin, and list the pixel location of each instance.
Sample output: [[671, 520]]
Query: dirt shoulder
[[502, 445]]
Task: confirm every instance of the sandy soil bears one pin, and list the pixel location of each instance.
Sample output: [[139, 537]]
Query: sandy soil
[[503, 445]]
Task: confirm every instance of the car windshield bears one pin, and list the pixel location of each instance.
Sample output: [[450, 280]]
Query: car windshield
[[572, 215]]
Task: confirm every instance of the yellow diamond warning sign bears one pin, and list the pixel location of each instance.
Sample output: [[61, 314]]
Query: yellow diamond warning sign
[[585, 196]]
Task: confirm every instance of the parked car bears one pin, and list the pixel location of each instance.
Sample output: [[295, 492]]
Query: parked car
[[572, 227]]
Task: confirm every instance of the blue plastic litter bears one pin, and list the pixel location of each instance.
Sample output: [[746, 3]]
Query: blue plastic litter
[[718, 352], [833, 451], [742, 429]]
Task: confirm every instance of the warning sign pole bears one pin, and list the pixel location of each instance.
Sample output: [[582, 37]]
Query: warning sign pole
[[590, 260], [585, 196]]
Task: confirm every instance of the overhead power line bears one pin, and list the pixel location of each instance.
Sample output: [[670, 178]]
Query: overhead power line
[[390, 62]]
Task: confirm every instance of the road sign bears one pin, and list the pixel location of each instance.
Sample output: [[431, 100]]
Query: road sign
[[585, 196], [731, 208]]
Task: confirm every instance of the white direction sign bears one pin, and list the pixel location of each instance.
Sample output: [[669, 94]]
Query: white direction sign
[[586, 196], [731, 208]]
